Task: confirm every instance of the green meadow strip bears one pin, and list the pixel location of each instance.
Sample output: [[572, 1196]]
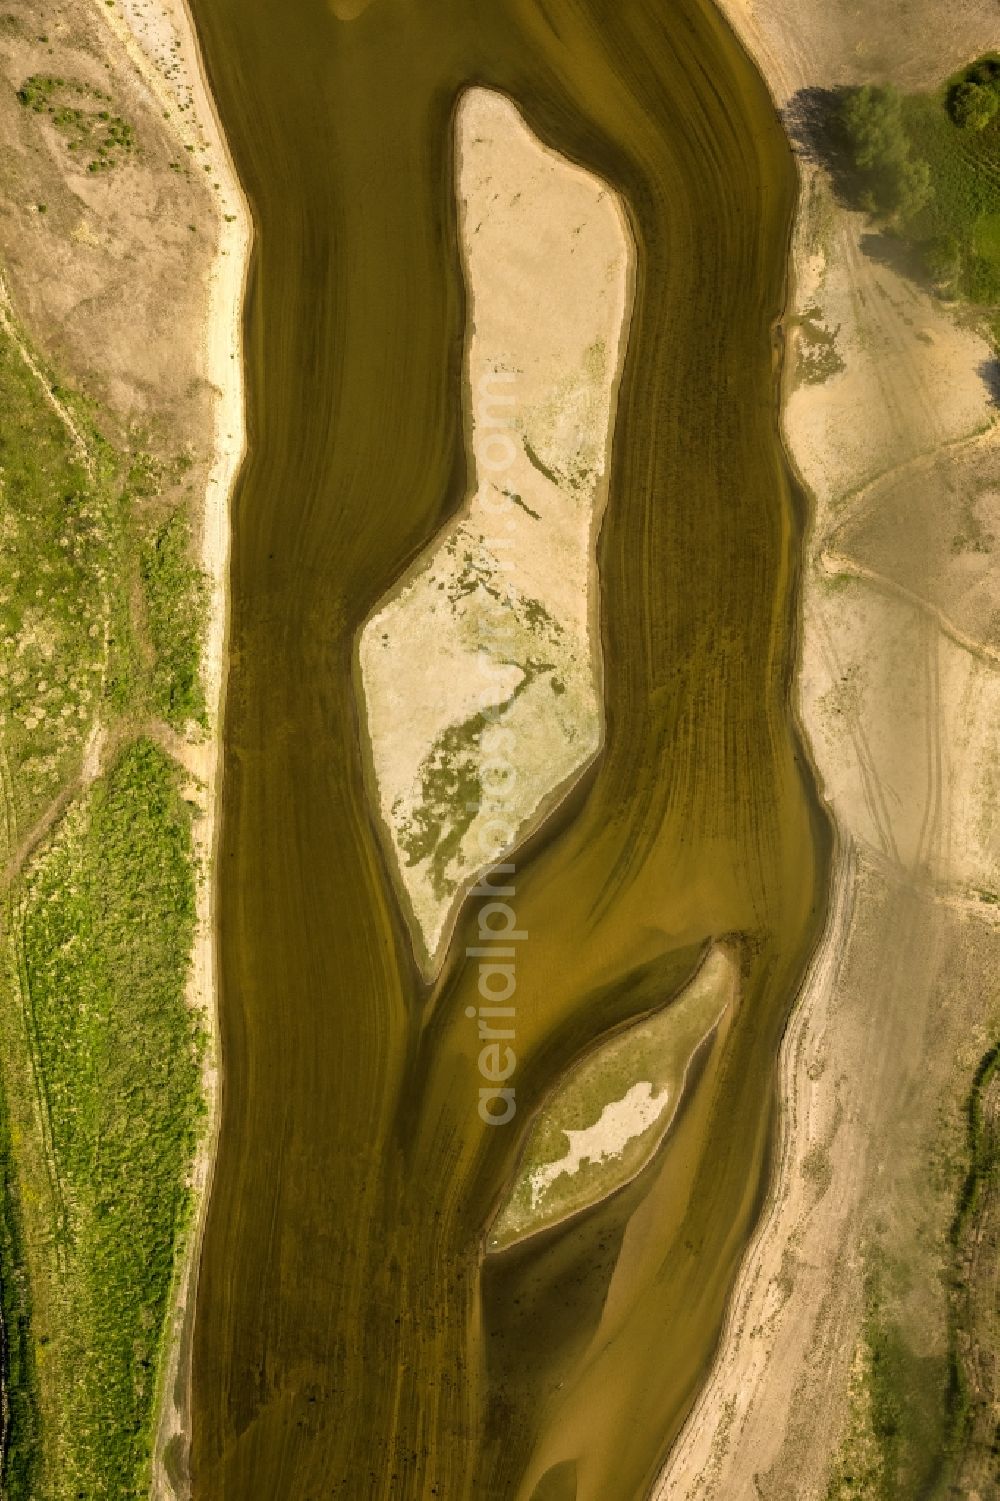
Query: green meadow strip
[[99, 946], [101, 621]]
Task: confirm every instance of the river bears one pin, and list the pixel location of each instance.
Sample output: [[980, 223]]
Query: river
[[351, 1339]]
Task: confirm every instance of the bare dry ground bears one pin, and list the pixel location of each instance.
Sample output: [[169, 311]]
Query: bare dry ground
[[105, 268], [890, 416]]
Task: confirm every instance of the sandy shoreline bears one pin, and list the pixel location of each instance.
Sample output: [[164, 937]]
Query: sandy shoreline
[[160, 40], [732, 1383], [776, 1407]]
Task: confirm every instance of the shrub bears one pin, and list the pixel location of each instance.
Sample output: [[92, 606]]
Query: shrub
[[983, 280], [974, 105], [176, 600], [943, 258]]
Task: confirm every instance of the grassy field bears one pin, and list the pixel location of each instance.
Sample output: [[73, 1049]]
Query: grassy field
[[961, 220], [897, 1443], [60, 523], [100, 935], [175, 607], [101, 614], [102, 608]]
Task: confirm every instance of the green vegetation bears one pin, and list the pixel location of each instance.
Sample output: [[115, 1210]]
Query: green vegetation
[[908, 1414], [975, 1438], [74, 643], [894, 182], [974, 95], [919, 1428], [983, 1156], [656, 1052], [929, 166], [60, 527], [17, 1363], [100, 938], [973, 106], [899, 1399], [86, 129], [101, 614], [450, 794], [451, 789], [176, 607]]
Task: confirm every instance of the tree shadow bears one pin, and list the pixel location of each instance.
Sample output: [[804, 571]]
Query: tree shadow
[[989, 370], [814, 121], [899, 255], [813, 118]]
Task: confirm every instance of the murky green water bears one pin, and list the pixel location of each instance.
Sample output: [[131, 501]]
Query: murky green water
[[349, 1341]]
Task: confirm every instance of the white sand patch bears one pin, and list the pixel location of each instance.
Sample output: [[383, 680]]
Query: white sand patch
[[481, 671], [621, 1121]]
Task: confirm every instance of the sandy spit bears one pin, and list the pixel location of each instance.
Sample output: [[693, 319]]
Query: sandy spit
[[160, 40]]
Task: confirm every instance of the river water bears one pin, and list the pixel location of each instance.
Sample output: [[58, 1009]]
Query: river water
[[351, 1339]]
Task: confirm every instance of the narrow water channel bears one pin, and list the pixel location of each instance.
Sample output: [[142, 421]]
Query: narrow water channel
[[350, 1339]]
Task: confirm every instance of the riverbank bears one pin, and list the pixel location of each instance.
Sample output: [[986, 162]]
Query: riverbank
[[888, 416], [160, 40], [114, 434]]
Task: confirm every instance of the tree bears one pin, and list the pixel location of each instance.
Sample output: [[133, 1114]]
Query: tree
[[974, 105], [873, 118], [908, 189], [893, 182]]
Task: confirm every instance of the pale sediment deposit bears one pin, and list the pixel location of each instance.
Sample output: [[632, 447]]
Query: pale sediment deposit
[[481, 671]]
